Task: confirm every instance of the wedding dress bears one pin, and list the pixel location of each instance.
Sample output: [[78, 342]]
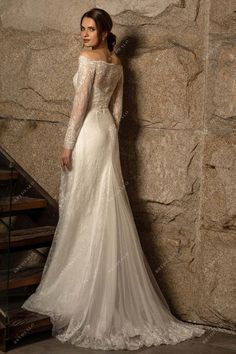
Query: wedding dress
[[97, 286]]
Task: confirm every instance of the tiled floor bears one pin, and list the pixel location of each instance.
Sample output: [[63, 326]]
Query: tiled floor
[[212, 342]]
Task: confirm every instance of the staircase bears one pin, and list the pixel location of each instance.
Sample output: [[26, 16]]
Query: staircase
[[28, 218]]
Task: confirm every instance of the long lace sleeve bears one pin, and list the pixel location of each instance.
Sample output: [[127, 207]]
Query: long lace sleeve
[[83, 83], [116, 102]]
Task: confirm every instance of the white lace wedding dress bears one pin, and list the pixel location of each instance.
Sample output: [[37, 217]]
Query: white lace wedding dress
[[97, 286]]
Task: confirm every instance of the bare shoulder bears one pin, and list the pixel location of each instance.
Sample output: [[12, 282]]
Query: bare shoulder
[[87, 54], [116, 59], [94, 55]]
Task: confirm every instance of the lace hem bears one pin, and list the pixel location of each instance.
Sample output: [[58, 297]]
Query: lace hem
[[128, 338]]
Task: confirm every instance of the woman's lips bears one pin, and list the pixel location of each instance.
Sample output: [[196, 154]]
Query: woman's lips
[[86, 40]]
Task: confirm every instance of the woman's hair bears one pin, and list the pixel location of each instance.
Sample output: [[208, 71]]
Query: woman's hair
[[104, 23]]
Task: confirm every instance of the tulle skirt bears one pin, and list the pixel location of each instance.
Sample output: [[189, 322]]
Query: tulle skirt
[[97, 286]]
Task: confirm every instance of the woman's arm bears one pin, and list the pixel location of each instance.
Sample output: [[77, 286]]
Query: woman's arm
[[83, 87]]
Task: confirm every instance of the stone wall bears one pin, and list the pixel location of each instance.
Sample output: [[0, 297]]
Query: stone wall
[[177, 135]]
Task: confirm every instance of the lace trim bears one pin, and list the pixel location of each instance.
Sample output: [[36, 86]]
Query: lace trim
[[128, 338]]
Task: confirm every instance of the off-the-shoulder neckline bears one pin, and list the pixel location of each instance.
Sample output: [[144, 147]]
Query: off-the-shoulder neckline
[[100, 61]]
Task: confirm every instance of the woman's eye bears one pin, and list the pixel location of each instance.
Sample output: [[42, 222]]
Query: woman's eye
[[90, 29]]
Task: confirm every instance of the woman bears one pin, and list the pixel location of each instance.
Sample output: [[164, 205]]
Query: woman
[[97, 286]]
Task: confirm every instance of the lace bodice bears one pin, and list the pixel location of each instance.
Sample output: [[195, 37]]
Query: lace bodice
[[97, 84]]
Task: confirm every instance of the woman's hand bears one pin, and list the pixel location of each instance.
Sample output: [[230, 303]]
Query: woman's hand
[[66, 159]]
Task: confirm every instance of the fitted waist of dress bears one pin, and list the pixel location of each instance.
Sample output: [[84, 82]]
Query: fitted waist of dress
[[98, 108]]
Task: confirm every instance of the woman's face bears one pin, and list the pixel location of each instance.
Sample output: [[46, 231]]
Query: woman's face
[[89, 33]]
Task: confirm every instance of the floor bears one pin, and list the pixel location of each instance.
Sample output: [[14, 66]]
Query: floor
[[212, 342]]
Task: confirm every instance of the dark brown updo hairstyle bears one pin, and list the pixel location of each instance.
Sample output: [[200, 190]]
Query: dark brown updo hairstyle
[[104, 24]]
